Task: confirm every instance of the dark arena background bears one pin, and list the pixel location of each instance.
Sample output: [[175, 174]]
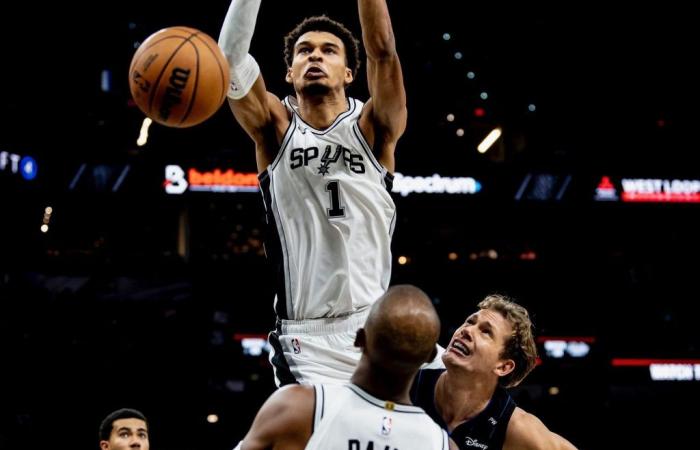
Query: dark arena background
[[586, 210]]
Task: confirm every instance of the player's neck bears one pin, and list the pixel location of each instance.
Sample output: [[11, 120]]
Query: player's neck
[[460, 398], [320, 111], [382, 384]]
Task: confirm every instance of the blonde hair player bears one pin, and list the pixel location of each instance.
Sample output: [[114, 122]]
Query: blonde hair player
[[494, 349]]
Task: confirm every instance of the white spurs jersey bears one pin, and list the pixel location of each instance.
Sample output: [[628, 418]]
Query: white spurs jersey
[[348, 418], [330, 219]]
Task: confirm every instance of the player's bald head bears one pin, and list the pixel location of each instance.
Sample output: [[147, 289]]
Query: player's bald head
[[401, 329]]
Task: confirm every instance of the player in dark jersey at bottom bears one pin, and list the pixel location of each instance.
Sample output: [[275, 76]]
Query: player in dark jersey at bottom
[[493, 350]]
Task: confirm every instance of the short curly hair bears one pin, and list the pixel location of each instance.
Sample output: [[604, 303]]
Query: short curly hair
[[324, 23], [520, 346]]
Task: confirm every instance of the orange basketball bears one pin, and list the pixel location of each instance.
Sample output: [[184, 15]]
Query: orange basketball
[[179, 77]]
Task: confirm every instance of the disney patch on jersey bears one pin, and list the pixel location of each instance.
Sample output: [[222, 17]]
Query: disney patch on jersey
[[469, 442]]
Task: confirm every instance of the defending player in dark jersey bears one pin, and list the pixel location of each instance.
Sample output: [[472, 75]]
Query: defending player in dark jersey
[[493, 350]]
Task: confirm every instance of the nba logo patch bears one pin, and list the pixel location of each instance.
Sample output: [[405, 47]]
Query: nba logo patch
[[296, 345], [386, 426]]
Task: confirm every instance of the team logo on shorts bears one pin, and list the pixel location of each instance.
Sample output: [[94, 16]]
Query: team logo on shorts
[[386, 426], [296, 345]]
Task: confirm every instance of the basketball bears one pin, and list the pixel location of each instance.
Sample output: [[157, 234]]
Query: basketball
[[179, 77]]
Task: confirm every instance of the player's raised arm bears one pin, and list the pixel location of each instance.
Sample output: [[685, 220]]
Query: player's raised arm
[[384, 119], [257, 111]]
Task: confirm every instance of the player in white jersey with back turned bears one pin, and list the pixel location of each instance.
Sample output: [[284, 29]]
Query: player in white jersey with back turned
[[325, 164], [373, 411]]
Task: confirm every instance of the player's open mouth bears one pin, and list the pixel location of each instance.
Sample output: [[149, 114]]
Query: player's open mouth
[[460, 348], [315, 71]]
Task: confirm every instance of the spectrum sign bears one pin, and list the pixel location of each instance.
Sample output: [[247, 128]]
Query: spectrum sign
[[177, 181], [435, 184], [655, 190]]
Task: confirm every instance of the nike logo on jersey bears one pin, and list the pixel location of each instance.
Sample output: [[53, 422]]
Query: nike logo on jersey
[[301, 157]]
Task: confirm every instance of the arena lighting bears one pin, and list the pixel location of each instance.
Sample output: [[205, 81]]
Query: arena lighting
[[489, 140], [572, 346], [106, 81], [543, 187], [143, 134], [664, 369], [47, 218], [253, 344], [212, 418]]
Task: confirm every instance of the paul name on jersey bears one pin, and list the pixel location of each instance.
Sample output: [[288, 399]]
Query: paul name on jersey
[[354, 444]]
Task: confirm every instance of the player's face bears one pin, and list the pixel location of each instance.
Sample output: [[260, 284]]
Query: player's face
[[127, 434], [477, 344], [319, 63]]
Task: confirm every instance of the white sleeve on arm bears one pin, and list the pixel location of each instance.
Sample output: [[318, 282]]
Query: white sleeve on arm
[[234, 40]]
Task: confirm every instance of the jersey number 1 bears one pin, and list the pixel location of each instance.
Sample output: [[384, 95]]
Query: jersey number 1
[[333, 188]]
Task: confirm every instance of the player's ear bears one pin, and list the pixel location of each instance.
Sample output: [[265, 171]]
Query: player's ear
[[504, 367], [288, 77], [348, 76], [360, 338], [104, 445]]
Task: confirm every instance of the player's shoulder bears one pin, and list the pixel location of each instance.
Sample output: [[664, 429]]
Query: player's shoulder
[[525, 431], [277, 107], [290, 399], [296, 391]]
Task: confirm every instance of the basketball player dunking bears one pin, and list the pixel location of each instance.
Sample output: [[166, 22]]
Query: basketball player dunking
[[325, 164]]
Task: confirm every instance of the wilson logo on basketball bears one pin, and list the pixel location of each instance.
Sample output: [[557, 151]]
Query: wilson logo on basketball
[[173, 93], [179, 76]]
